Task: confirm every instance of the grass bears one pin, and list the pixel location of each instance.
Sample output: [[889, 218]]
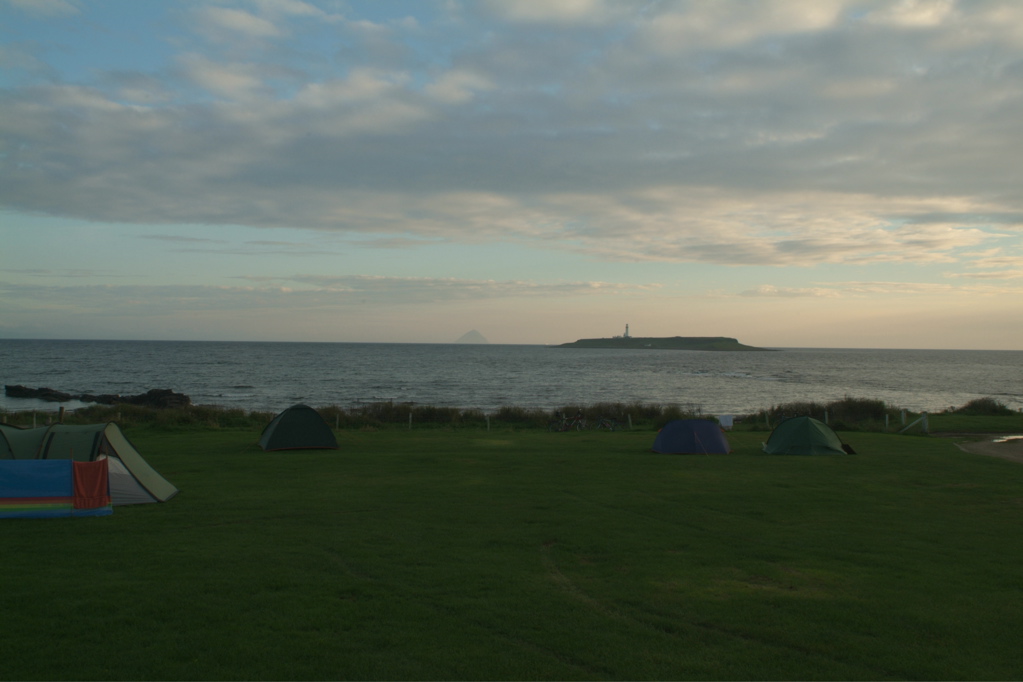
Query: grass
[[458, 554]]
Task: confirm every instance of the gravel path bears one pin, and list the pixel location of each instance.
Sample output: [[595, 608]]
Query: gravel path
[[1006, 447]]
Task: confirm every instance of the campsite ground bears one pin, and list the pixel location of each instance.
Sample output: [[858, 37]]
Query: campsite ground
[[464, 554]]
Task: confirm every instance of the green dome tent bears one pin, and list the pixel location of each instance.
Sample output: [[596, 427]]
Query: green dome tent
[[805, 436], [299, 427]]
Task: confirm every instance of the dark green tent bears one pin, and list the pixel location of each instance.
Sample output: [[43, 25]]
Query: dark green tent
[[804, 436], [299, 427]]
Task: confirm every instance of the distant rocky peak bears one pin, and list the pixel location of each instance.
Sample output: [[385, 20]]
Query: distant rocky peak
[[472, 337]]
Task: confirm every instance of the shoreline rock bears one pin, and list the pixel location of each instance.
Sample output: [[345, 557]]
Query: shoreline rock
[[159, 398]]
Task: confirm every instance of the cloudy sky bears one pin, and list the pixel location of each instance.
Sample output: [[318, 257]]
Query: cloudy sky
[[835, 173]]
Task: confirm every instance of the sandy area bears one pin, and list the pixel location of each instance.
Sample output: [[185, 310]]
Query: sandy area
[[1010, 448]]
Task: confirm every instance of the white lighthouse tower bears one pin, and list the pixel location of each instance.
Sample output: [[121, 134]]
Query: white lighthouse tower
[[626, 330]]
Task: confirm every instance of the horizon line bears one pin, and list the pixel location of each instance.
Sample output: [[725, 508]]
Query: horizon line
[[491, 343]]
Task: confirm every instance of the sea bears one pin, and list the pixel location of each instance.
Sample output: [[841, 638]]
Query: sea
[[268, 376]]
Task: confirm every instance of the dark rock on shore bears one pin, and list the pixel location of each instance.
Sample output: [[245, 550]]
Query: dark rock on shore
[[47, 394], [160, 398], [102, 399]]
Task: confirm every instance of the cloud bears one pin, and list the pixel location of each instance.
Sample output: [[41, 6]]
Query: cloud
[[730, 23], [260, 19], [773, 133], [993, 264], [230, 81], [14, 59], [778, 228], [46, 8], [277, 306], [913, 13], [995, 258], [294, 8], [217, 19], [771, 291], [991, 274], [178, 239], [406, 290], [558, 13], [72, 273], [880, 289], [457, 86]]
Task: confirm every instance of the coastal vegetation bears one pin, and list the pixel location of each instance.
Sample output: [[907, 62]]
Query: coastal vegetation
[[850, 414], [456, 553]]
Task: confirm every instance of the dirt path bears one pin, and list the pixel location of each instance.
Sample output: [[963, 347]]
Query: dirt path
[[1007, 448]]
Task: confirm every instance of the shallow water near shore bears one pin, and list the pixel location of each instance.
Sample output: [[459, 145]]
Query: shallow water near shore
[[271, 376]]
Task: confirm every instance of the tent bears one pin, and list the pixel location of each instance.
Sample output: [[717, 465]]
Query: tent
[[692, 436], [131, 479], [805, 436], [49, 488], [299, 427]]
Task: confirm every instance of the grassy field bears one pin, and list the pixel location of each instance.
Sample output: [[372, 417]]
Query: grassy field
[[466, 554]]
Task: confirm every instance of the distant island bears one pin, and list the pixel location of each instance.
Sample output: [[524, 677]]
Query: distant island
[[663, 343], [472, 337]]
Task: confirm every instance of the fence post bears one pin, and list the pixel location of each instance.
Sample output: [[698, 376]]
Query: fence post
[[826, 417], [60, 415], [922, 421], [630, 422], [903, 417], [410, 419], [488, 421]]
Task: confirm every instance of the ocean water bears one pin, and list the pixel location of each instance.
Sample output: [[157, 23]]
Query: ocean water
[[272, 376]]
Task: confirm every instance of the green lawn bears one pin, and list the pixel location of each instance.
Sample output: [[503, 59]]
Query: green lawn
[[528, 555]]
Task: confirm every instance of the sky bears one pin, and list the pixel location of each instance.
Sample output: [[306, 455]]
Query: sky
[[834, 173]]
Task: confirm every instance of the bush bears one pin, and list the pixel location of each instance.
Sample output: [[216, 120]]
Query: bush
[[376, 415], [857, 410], [984, 407], [847, 414], [125, 414], [777, 413], [521, 416]]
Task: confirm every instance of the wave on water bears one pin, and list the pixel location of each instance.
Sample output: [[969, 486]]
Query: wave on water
[[271, 376]]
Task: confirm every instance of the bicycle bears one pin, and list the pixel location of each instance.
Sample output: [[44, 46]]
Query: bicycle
[[563, 423], [607, 424]]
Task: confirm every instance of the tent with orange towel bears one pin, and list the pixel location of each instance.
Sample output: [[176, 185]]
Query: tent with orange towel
[[130, 479], [49, 488]]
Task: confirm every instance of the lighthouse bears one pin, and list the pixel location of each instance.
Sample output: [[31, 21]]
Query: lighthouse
[[626, 330]]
